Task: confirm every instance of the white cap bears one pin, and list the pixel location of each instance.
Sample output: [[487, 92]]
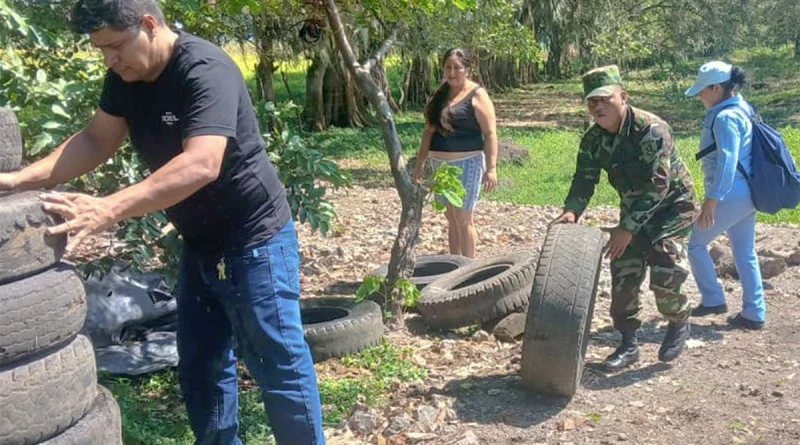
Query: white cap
[[711, 73]]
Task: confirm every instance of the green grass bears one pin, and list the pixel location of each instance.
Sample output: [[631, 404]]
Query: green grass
[[545, 179], [153, 412]]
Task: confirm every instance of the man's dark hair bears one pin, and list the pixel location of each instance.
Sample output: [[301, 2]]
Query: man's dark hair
[[89, 16]]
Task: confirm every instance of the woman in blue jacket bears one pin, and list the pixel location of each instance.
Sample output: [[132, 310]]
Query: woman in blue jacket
[[728, 206]]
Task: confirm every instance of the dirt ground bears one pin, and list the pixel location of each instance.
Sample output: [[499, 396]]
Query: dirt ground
[[728, 387]]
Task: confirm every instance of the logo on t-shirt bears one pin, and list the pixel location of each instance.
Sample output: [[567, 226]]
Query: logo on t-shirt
[[169, 118]]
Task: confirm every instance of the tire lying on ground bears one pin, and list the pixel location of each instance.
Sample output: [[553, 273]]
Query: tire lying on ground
[[40, 312], [10, 141], [560, 311], [511, 327], [480, 291], [100, 426], [43, 396], [335, 327], [428, 268], [24, 247]]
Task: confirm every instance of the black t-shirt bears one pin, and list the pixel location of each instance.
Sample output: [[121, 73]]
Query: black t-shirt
[[202, 92]]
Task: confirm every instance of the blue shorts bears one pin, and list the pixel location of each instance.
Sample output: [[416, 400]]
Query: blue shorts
[[472, 170]]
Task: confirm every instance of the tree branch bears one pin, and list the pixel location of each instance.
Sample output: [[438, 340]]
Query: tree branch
[[373, 94], [338, 33], [381, 52]]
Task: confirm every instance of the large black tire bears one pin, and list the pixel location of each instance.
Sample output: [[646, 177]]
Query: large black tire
[[335, 327], [560, 312], [428, 268], [481, 291], [43, 397], [25, 249], [10, 141], [101, 426], [40, 312]]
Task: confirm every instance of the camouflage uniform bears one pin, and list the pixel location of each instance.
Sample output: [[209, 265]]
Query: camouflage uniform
[[657, 205]]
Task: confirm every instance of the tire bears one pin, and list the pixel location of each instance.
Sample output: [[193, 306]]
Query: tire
[[481, 291], [45, 396], [10, 141], [510, 328], [102, 425], [25, 249], [40, 312], [560, 312], [335, 327], [429, 268]]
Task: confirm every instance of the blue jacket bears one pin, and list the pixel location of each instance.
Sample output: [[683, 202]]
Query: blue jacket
[[734, 135]]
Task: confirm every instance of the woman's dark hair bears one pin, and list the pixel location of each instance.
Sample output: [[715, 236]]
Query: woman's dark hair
[[738, 80], [433, 111], [89, 16]]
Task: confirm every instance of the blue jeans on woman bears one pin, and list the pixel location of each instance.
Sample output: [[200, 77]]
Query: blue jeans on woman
[[250, 297], [735, 215]]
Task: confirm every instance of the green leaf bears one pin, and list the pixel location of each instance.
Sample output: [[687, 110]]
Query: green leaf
[[370, 285], [51, 125], [59, 110], [40, 142], [453, 198]]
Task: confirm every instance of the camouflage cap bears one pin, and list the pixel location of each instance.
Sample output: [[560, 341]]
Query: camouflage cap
[[601, 81]]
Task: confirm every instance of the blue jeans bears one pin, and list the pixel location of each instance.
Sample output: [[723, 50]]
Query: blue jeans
[[736, 215], [250, 296]]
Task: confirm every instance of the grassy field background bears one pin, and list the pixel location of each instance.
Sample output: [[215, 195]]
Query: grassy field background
[[554, 133]]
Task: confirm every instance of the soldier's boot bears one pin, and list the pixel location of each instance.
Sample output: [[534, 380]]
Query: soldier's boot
[[674, 341], [625, 355]]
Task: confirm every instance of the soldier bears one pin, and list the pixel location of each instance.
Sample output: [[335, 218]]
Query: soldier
[[657, 209]]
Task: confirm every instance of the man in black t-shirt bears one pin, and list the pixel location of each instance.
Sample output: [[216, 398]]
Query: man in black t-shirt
[[186, 108]]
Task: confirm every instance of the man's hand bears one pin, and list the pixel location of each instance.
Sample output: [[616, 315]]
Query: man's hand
[[84, 215], [706, 218], [567, 217], [616, 246], [489, 180], [8, 181]]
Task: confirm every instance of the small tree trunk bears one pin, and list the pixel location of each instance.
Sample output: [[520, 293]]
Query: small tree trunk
[[528, 73], [797, 46], [554, 57], [419, 83], [265, 69], [314, 114], [344, 104], [381, 78], [405, 84], [264, 78], [402, 262]]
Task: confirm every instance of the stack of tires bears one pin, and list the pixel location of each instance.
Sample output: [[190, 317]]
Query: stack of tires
[[48, 378]]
